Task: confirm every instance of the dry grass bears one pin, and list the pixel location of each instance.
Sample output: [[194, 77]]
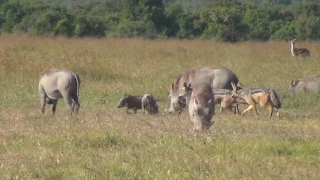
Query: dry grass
[[104, 142]]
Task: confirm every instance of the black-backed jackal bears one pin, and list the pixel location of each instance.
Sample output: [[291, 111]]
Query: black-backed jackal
[[265, 97]]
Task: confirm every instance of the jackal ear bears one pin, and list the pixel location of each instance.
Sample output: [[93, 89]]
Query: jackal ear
[[234, 87], [239, 85]]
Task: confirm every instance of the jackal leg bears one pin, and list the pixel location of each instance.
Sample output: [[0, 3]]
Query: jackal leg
[[277, 111], [236, 108], [252, 106], [264, 102], [221, 109], [270, 109]]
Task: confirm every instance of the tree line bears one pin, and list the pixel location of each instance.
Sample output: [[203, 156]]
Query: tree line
[[229, 21]]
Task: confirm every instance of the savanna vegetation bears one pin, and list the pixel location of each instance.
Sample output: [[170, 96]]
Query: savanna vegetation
[[229, 21], [103, 142]]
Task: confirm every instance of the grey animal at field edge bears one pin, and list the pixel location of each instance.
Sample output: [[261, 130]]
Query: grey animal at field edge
[[201, 106], [310, 84], [218, 78], [223, 97], [149, 104], [131, 102], [55, 84], [301, 52]]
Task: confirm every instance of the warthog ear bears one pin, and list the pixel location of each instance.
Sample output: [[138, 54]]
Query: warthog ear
[[189, 85], [185, 84], [196, 102], [293, 83], [172, 87]]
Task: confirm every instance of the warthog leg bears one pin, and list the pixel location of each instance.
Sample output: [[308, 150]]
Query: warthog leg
[[75, 104], [54, 106], [43, 102], [67, 98]]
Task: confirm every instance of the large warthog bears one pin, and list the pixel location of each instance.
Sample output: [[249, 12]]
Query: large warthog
[[131, 102], [55, 84], [309, 84], [149, 104], [201, 106], [218, 78], [223, 97]]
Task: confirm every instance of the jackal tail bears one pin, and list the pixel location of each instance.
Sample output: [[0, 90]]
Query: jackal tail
[[275, 99]]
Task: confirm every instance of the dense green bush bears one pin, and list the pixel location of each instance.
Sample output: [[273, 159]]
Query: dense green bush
[[231, 21]]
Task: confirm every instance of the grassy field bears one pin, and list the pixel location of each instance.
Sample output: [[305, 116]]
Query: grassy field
[[104, 142]]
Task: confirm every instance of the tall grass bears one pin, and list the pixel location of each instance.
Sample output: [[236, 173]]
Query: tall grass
[[103, 142]]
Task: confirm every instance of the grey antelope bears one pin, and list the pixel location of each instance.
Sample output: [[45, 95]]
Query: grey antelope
[[218, 78], [265, 97], [302, 52], [55, 84], [223, 97]]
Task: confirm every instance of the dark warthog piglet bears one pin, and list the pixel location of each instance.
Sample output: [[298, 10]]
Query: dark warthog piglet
[[149, 104], [131, 102]]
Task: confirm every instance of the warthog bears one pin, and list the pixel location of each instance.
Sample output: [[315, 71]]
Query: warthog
[[309, 84], [55, 84], [223, 97], [218, 78], [201, 106], [149, 104], [131, 102]]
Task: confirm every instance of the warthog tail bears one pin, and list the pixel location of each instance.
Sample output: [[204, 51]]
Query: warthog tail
[[78, 83], [275, 99]]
